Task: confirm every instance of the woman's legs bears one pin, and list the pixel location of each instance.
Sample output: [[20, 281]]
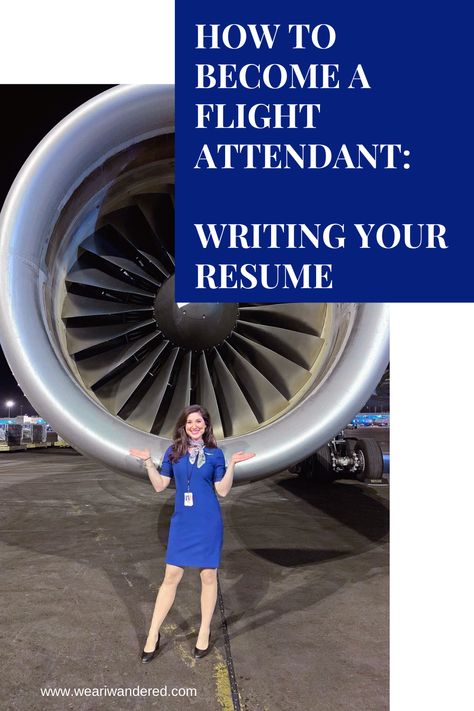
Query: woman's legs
[[164, 601], [208, 604]]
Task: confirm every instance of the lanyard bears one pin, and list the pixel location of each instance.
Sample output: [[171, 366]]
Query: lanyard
[[189, 470]]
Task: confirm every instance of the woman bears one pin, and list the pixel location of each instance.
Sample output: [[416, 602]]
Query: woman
[[196, 530]]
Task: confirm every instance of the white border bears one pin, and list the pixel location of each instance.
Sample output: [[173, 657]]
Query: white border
[[91, 42], [431, 367], [431, 506]]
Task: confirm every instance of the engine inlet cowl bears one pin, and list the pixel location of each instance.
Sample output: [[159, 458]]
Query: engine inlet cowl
[[91, 330]]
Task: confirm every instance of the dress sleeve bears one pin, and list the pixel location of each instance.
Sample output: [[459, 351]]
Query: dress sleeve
[[220, 465], [166, 468]]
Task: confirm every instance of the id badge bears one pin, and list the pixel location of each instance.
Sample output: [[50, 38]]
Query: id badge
[[188, 498]]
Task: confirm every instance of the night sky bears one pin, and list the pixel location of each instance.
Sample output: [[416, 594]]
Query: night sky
[[29, 112]]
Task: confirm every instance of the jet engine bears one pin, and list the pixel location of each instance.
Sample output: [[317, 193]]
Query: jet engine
[[93, 335]]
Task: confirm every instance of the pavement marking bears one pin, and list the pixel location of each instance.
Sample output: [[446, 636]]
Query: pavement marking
[[184, 654], [234, 691], [223, 691]]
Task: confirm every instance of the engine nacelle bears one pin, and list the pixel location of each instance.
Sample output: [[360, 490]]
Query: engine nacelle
[[91, 331]]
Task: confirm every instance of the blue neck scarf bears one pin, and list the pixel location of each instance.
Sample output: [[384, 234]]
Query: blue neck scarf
[[196, 447]]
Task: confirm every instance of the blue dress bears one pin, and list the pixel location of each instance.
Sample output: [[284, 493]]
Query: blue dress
[[196, 532]]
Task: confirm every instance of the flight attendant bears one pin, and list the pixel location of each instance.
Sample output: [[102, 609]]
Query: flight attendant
[[196, 529]]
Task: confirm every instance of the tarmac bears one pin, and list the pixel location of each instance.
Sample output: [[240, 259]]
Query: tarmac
[[301, 621]]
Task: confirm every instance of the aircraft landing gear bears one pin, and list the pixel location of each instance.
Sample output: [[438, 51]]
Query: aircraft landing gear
[[343, 458]]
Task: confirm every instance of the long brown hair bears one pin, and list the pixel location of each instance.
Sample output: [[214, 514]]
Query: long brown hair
[[180, 439]]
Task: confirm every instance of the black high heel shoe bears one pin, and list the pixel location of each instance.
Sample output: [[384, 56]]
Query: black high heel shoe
[[200, 653], [148, 656]]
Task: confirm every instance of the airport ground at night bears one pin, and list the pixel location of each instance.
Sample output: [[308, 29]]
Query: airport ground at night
[[302, 622]]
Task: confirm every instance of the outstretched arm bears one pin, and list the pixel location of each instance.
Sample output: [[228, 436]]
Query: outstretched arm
[[225, 484], [159, 482]]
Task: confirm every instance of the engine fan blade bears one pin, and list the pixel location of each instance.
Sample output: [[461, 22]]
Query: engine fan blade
[[181, 396], [301, 348], [206, 395], [80, 306], [90, 276], [265, 400], [287, 376], [81, 338], [115, 393], [132, 224], [236, 412], [96, 367], [158, 209], [144, 414], [297, 317], [109, 252]]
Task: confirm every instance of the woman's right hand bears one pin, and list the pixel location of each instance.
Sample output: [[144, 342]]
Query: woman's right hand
[[140, 453]]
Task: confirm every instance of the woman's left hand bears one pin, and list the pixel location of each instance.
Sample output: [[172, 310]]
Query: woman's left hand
[[241, 456]]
